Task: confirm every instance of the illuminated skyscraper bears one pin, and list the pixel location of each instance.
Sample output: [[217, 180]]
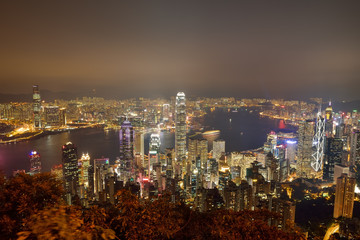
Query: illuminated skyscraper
[[84, 164], [154, 150], [318, 144], [127, 151], [355, 147], [344, 197], [198, 151], [180, 126], [218, 148], [36, 107], [304, 152], [154, 142], [35, 163], [70, 169], [329, 120], [166, 112], [139, 147], [52, 116], [333, 156]]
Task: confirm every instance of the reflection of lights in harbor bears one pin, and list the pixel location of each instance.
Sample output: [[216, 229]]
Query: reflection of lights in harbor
[[211, 135]]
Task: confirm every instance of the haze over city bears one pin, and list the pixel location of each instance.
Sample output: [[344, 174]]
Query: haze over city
[[174, 120], [296, 49]]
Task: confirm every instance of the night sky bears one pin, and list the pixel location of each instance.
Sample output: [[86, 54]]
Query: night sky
[[290, 49]]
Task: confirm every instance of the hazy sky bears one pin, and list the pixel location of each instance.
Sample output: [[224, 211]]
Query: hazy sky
[[210, 48]]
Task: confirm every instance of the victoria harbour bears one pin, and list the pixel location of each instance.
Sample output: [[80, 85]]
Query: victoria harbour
[[242, 130]]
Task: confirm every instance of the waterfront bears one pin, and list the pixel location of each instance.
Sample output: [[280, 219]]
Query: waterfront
[[246, 130]]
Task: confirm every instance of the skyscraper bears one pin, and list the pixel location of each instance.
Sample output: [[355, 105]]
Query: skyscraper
[[304, 152], [84, 164], [333, 155], [36, 107], [180, 126], [70, 169], [52, 116], [218, 148], [166, 112], [35, 163], [127, 143], [344, 197], [329, 120], [198, 151], [355, 147]]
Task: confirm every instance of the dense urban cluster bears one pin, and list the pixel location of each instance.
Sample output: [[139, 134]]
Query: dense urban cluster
[[321, 160]]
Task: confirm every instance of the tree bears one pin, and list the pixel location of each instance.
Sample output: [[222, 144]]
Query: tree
[[24, 195], [63, 223]]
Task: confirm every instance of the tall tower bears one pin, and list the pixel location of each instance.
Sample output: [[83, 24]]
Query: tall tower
[[127, 143], [319, 144], [344, 197], [329, 120], [304, 152], [36, 106], [84, 164], [198, 151], [180, 126], [35, 163], [218, 148], [70, 169], [333, 156]]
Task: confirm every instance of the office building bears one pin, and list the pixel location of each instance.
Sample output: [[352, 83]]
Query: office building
[[35, 162], [70, 170], [333, 156], [36, 107], [198, 151], [305, 151], [84, 164], [127, 151], [344, 197], [52, 116], [180, 126], [218, 148]]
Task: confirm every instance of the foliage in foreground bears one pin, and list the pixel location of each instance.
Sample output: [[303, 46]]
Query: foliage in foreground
[[31, 208]]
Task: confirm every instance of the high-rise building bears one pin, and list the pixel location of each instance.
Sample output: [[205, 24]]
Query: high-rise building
[[154, 151], [101, 170], [344, 197], [355, 147], [304, 152], [127, 151], [318, 144], [70, 169], [198, 151], [155, 142], [52, 116], [218, 148], [139, 143], [35, 163], [166, 112], [180, 126], [333, 156], [84, 164], [329, 120], [36, 107]]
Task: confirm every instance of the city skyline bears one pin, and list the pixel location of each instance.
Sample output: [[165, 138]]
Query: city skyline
[[256, 49]]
